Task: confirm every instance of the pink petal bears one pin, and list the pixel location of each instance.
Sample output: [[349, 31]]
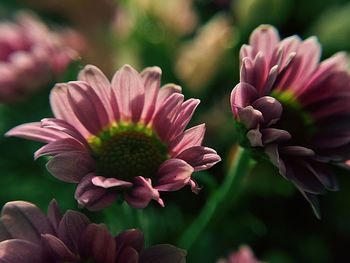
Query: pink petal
[[99, 82], [173, 175], [71, 166], [142, 193], [59, 146], [87, 106], [272, 135], [184, 116], [270, 108], [242, 96], [199, 157], [110, 182], [255, 138], [71, 227], [93, 197], [24, 220], [151, 82], [98, 244], [58, 249], [130, 238], [34, 131], [129, 255], [63, 127], [54, 214], [165, 115], [265, 38], [129, 93], [191, 137], [165, 92], [250, 117], [62, 108], [21, 251]]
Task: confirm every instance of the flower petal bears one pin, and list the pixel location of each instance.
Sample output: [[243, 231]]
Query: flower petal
[[54, 214], [98, 244], [173, 174], [129, 93], [62, 108], [130, 238], [142, 193], [24, 220], [191, 137], [151, 81], [93, 197], [71, 166], [58, 249], [71, 227], [199, 157], [21, 251], [109, 182], [270, 108], [34, 131], [99, 82], [163, 253], [58, 147], [242, 96]]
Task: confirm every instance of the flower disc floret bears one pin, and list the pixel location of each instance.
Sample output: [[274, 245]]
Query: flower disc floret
[[126, 151]]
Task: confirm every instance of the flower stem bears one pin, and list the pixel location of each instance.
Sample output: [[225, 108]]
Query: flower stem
[[219, 201]]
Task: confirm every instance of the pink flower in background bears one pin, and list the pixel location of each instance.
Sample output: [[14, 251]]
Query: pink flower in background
[[126, 138], [27, 235], [294, 108], [243, 255], [30, 56]]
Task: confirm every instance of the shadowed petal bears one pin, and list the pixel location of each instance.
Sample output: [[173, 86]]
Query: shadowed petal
[[91, 196], [199, 157], [165, 92], [270, 108], [54, 214], [71, 227], [272, 135], [250, 117], [163, 253], [98, 244], [173, 174], [20, 251], [130, 238], [24, 220], [71, 166], [128, 255], [58, 249], [142, 193]]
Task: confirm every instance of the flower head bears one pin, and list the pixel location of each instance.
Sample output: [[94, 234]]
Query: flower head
[[27, 235], [243, 255], [123, 138], [30, 56], [294, 108]]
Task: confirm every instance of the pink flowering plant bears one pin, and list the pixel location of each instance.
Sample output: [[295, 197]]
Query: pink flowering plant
[[144, 171], [31, 56]]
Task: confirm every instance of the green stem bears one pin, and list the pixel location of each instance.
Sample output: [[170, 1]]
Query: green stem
[[219, 201]]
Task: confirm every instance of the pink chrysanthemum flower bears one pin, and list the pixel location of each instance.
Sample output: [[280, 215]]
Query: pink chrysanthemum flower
[[124, 138], [294, 108], [30, 56], [29, 236]]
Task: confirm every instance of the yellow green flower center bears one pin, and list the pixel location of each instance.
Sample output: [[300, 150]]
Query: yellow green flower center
[[126, 150], [299, 123]]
